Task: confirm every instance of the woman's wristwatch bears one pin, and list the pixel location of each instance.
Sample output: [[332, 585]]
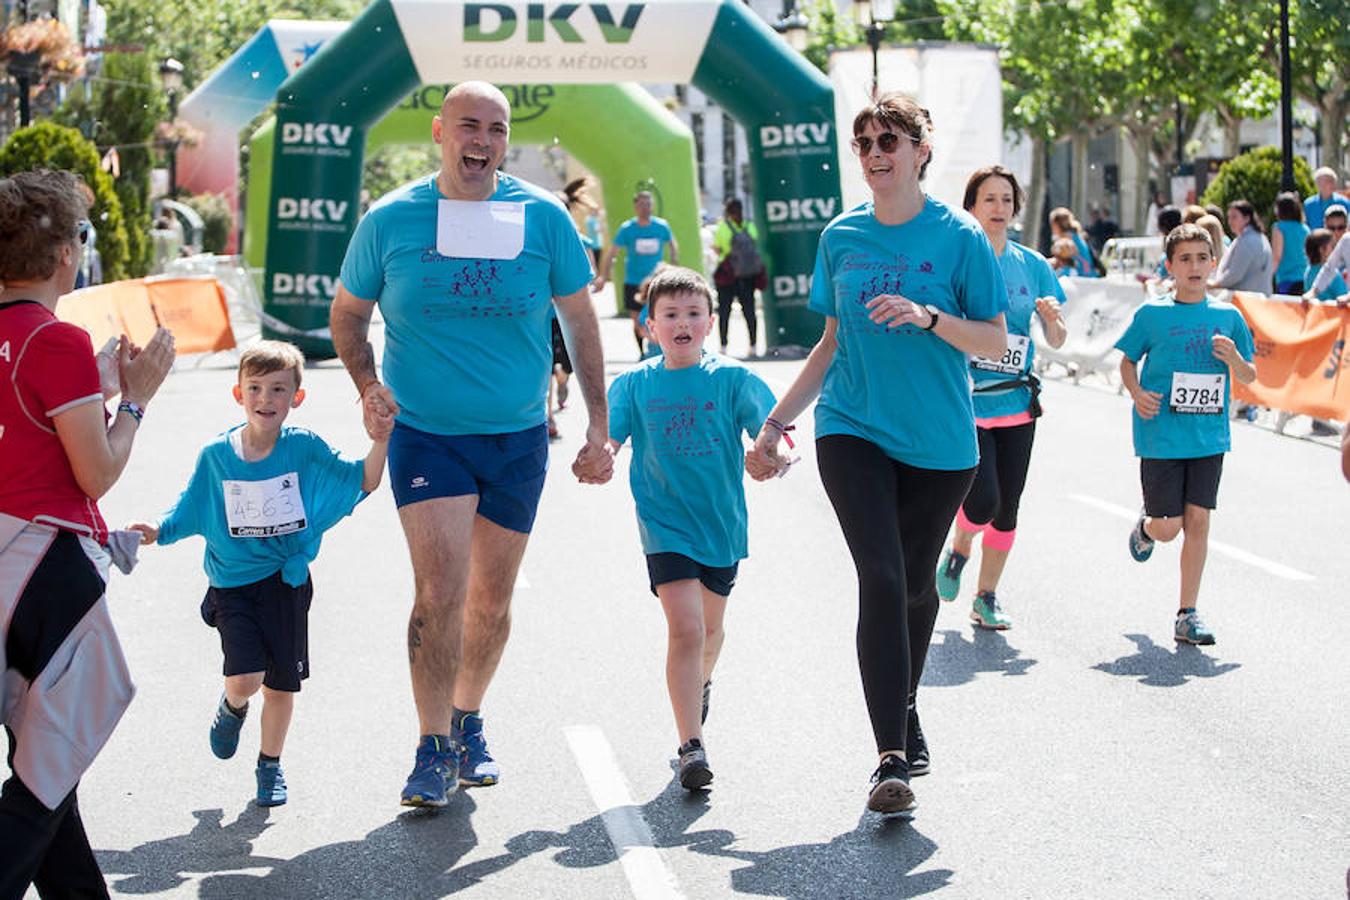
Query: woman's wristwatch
[[932, 322]]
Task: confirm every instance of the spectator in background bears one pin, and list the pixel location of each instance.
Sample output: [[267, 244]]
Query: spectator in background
[[1102, 229], [1286, 244], [1064, 225], [1193, 213], [1247, 263], [739, 271], [1214, 228], [1315, 207], [1064, 258], [1335, 221], [1155, 208], [1169, 217], [1318, 248]]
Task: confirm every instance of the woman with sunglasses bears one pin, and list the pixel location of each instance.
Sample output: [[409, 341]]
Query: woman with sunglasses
[[59, 452], [1007, 398], [908, 287]]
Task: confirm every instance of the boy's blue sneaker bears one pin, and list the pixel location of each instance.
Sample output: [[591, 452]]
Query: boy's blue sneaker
[[225, 730], [949, 574], [1141, 545], [271, 784], [477, 768], [1191, 629], [435, 774]]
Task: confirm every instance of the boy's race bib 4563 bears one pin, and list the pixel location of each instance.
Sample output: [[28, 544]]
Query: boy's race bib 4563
[[256, 509]]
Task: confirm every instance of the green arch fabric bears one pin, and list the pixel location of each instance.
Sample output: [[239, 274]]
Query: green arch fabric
[[785, 105]]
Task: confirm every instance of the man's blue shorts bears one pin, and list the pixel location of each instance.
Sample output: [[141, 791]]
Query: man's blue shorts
[[506, 471]]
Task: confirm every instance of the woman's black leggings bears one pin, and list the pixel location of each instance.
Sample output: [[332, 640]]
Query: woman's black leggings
[[1005, 456], [742, 291], [894, 518]]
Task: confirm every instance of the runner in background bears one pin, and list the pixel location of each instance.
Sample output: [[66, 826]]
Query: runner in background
[[644, 239], [1007, 399]]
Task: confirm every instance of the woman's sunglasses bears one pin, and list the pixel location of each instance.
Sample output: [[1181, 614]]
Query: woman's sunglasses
[[82, 229], [887, 141]]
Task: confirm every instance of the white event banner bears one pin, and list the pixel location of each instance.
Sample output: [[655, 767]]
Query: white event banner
[[556, 43]]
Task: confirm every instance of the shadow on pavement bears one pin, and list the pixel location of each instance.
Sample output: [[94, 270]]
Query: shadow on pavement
[[958, 659], [209, 847], [1158, 667]]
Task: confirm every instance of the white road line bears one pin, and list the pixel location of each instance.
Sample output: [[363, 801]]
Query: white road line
[[1277, 569], [628, 832]]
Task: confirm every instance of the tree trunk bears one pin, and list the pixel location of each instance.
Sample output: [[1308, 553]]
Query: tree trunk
[[1141, 141], [1232, 133], [1078, 176], [1033, 217], [1332, 139]]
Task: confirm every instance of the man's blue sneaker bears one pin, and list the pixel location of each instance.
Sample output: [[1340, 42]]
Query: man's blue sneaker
[[477, 768], [1141, 545], [271, 784], [225, 730], [949, 574], [435, 774], [1191, 629]]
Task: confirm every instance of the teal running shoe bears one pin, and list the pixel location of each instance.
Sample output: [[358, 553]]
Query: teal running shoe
[[271, 784], [225, 730], [1191, 629], [1141, 545], [949, 574], [986, 613], [477, 768], [435, 774]]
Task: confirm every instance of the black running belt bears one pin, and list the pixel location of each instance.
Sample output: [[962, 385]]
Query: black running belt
[[62, 589]]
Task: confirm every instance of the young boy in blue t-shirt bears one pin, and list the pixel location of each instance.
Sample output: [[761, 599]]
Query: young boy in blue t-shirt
[[685, 412], [263, 495], [1190, 344]]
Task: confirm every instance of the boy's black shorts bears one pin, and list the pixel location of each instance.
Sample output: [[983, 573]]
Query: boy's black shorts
[[1169, 484], [663, 568], [264, 627], [630, 297]]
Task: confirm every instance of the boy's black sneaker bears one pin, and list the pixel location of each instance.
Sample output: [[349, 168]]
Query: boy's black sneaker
[[694, 771], [890, 791], [916, 748]]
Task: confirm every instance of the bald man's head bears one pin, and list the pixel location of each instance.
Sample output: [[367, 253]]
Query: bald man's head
[[478, 90], [473, 131]]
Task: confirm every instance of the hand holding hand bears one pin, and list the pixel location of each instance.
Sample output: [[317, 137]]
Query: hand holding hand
[[378, 409], [762, 460], [595, 460], [149, 533], [598, 284]]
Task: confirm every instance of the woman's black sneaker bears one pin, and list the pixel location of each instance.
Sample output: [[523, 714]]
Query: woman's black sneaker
[[916, 748], [890, 791], [694, 771]]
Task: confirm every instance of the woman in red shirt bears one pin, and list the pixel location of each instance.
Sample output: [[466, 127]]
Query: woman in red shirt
[[67, 682]]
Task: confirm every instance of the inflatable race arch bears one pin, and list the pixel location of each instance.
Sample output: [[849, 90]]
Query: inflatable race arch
[[719, 46]]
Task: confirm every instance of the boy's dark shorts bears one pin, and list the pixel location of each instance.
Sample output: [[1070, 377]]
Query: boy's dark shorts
[[264, 627], [630, 297], [663, 568], [1169, 484], [506, 471]]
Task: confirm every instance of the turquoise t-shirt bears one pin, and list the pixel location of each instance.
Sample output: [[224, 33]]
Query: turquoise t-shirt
[[268, 516], [1315, 208], [1171, 338], [1085, 267], [688, 456], [645, 246], [904, 389], [1027, 277], [1334, 291], [1294, 256], [467, 348]]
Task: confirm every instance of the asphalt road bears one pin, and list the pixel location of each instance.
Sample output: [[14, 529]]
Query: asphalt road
[[1080, 755]]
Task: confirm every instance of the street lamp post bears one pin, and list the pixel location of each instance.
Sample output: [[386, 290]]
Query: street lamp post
[[793, 26], [171, 77], [873, 15], [1286, 104]]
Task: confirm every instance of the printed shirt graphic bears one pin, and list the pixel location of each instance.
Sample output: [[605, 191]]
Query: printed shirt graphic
[[467, 346], [329, 487], [646, 246], [688, 457], [904, 389], [1173, 337], [1027, 277]]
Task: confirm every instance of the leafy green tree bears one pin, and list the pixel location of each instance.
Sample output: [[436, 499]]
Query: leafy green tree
[[47, 145], [1320, 61], [1255, 176], [396, 164], [121, 111], [216, 220]]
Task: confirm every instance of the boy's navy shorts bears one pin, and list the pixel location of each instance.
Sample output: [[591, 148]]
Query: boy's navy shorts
[[506, 471], [663, 568], [264, 627], [1169, 484]]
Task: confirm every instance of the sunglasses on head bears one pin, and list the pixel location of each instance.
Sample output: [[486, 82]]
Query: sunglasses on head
[[887, 141], [82, 229], [1335, 227]]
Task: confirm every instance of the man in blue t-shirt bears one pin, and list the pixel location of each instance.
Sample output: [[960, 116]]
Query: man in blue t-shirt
[[465, 266], [1190, 345], [1315, 207], [644, 239]]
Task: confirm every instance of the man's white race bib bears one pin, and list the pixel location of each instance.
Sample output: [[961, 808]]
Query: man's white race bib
[[480, 229], [1202, 394], [257, 509], [647, 246], [1013, 361]]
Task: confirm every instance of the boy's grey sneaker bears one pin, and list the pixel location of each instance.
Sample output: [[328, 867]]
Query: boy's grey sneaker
[[1191, 629], [916, 748], [694, 771], [1141, 545], [225, 729], [890, 791]]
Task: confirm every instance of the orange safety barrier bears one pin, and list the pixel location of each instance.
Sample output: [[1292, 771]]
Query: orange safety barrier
[[1301, 363], [193, 309]]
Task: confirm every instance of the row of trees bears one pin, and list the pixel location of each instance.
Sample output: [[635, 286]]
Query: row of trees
[[1076, 69]]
